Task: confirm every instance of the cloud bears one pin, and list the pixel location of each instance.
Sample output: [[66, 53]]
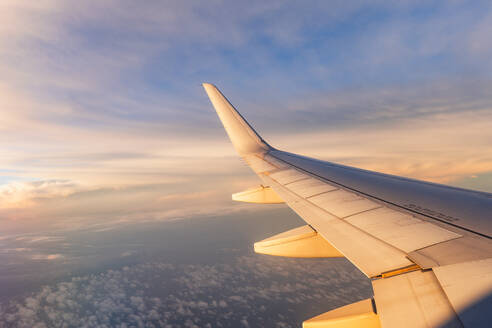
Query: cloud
[[17, 249], [104, 115], [46, 257], [128, 253], [250, 291], [104, 209], [39, 239], [24, 194], [437, 132], [434, 148]]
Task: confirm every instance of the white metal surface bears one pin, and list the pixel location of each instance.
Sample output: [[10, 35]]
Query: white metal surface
[[243, 136], [469, 289], [413, 300], [259, 195], [298, 242], [288, 176], [342, 203], [355, 315], [369, 254], [302, 232], [467, 209], [275, 162], [465, 249], [258, 164], [400, 230], [310, 187], [346, 214]]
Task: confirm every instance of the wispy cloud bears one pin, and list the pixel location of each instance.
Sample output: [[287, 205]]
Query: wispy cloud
[[103, 113], [24, 194], [46, 257]]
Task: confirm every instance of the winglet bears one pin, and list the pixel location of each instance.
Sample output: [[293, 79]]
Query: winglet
[[243, 136]]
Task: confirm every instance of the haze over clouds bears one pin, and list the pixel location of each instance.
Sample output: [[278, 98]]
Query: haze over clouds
[[116, 175], [216, 295], [179, 273], [103, 112]]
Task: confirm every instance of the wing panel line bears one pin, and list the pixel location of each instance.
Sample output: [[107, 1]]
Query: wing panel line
[[385, 201]]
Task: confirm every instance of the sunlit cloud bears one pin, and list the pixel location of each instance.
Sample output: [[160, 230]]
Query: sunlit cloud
[[38, 239], [46, 257], [438, 146], [104, 120], [24, 194]]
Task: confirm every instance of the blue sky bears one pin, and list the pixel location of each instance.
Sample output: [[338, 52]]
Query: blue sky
[[116, 175], [103, 107]]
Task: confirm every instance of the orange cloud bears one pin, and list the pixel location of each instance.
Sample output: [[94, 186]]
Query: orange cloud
[[78, 164], [440, 148]]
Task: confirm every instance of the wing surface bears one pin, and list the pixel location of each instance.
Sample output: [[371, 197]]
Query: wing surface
[[415, 240]]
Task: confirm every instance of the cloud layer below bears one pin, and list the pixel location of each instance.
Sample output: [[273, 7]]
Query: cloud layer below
[[250, 291]]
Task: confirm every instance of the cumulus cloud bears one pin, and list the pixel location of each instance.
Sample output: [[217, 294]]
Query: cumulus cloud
[[24, 194], [250, 291]]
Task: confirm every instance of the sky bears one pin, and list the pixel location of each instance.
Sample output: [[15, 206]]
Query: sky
[[105, 125], [104, 113]]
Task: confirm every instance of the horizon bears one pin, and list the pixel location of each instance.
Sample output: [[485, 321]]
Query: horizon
[[106, 128]]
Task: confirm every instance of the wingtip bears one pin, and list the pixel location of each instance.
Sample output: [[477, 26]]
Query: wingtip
[[243, 136]]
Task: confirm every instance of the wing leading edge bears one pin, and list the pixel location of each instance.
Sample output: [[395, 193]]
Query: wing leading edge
[[421, 238]]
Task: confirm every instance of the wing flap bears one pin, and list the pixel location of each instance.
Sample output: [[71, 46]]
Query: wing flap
[[413, 300], [468, 287]]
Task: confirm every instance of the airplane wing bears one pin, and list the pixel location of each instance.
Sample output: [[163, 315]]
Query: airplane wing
[[426, 247]]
